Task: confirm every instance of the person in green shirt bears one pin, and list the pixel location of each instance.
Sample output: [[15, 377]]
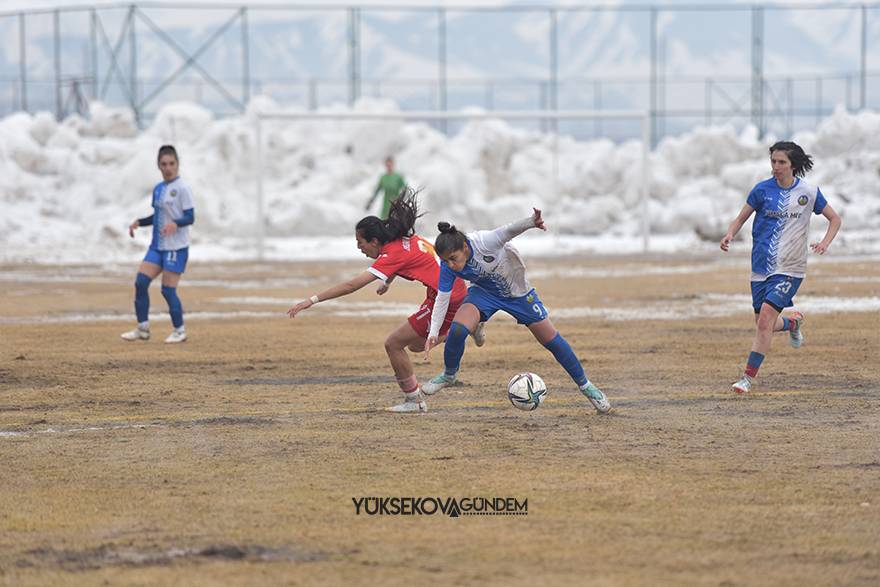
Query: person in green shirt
[[392, 184]]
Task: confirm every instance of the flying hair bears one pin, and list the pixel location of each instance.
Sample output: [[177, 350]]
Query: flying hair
[[401, 222], [801, 163]]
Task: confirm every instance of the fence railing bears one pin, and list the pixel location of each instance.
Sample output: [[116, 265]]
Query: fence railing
[[114, 43]]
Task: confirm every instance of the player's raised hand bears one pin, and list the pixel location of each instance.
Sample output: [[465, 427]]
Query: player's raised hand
[[429, 344], [132, 227], [725, 242], [539, 222], [820, 247], [299, 308]]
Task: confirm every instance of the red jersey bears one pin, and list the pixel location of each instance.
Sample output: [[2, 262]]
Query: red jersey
[[413, 258]]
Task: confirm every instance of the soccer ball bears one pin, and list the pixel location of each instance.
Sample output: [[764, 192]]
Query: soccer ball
[[526, 391]]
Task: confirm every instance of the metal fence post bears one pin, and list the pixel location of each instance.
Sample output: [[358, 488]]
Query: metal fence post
[[863, 82], [22, 53], [132, 41], [93, 45], [442, 89], [245, 59], [554, 67], [56, 45], [354, 56], [758, 69], [652, 108]]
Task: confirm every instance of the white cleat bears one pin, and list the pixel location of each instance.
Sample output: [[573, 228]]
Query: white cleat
[[437, 383], [597, 398], [796, 335], [479, 334], [176, 336], [136, 334], [409, 407], [744, 385]]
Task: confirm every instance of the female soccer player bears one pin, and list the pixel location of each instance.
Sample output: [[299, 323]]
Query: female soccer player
[[400, 252], [173, 212], [779, 248], [498, 282]]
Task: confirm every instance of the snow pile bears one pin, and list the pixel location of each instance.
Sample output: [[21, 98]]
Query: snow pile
[[70, 189]]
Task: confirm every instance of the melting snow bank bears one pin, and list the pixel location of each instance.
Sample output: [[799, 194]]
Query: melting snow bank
[[70, 189]]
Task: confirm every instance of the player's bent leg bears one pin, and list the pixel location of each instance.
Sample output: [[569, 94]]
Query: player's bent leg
[[146, 273], [466, 319]]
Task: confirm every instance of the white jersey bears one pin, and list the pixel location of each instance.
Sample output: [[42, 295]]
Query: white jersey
[[169, 202], [494, 266]]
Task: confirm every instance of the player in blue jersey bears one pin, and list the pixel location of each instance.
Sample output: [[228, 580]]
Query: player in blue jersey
[[783, 206], [172, 214], [497, 279]]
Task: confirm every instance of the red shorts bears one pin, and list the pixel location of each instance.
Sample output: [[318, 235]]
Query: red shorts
[[421, 320]]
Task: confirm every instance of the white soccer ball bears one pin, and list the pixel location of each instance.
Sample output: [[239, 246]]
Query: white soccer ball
[[526, 391]]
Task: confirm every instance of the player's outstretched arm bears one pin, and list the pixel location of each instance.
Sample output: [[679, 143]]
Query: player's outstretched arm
[[337, 291], [834, 223], [735, 226]]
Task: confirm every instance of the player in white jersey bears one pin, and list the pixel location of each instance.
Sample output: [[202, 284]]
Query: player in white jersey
[[498, 281], [173, 212], [782, 205]]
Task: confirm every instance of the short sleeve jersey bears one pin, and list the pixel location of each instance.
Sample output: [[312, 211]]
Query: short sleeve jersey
[[781, 227], [412, 258], [169, 201], [494, 265]]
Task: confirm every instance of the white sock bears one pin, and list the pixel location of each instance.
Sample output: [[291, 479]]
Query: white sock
[[144, 325], [412, 396]]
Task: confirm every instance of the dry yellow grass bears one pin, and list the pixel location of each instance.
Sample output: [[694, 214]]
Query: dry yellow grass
[[233, 458]]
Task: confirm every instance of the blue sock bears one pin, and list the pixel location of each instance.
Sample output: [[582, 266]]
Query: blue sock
[[174, 306], [754, 363], [786, 324], [142, 297], [454, 348], [565, 356]]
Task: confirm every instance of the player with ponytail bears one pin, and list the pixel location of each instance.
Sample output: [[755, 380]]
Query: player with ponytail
[[496, 272], [399, 252]]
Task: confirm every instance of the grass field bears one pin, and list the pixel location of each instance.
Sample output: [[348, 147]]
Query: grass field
[[234, 457]]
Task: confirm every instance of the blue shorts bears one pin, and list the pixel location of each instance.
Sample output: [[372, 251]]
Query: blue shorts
[[173, 261], [776, 290], [527, 309]]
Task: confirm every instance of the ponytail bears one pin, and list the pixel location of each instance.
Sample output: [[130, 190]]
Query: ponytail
[[401, 220]]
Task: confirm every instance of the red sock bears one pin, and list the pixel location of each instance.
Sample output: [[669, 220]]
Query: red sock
[[408, 385]]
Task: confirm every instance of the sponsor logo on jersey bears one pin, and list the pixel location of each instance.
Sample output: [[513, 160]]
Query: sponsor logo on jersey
[[802, 200]]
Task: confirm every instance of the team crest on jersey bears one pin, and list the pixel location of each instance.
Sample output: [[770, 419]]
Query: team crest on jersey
[[488, 258], [530, 298], [802, 200], [173, 193]]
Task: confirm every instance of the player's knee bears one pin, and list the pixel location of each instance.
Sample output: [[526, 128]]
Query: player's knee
[[169, 293], [457, 332], [142, 282]]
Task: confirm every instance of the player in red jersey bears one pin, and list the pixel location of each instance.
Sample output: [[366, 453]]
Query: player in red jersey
[[399, 252]]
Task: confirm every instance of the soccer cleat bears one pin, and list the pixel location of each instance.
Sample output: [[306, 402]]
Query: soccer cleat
[[176, 336], [410, 407], [437, 383], [597, 398], [795, 336], [479, 334], [136, 334], [744, 385]]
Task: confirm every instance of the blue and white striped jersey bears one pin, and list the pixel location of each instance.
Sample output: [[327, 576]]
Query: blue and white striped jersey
[[169, 202], [781, 228]]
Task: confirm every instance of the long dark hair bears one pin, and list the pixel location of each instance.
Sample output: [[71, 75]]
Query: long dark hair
[[450, 239], [801, 163], [401, 220]]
